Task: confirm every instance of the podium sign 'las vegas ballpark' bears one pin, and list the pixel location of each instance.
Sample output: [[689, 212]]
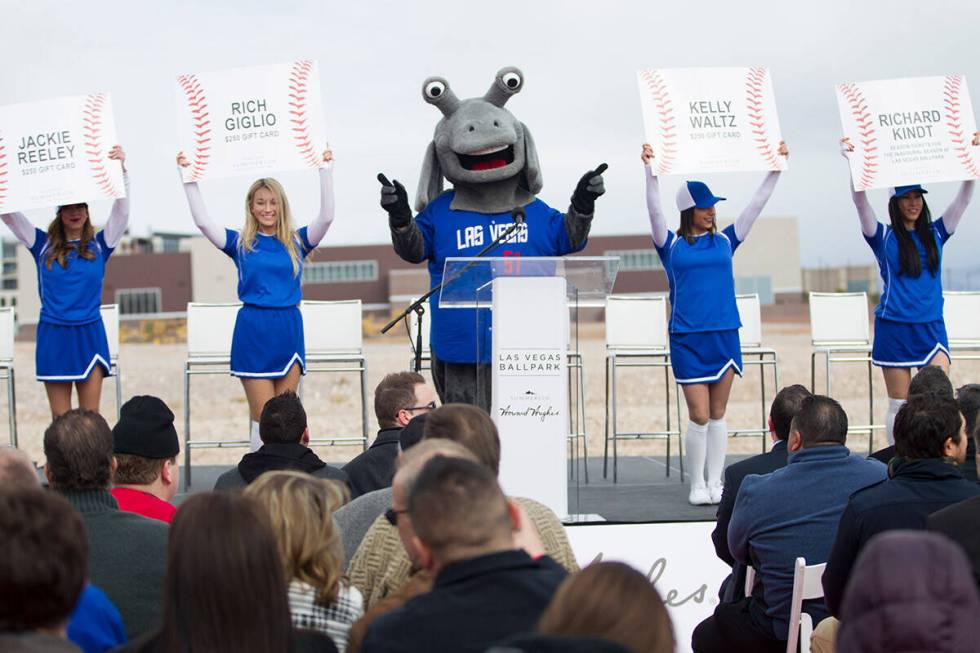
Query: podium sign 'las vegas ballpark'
[[702, 120], [57, 152], [909, 131], [249, 121]]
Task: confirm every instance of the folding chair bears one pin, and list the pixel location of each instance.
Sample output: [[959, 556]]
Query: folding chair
[[807, 585], [636, 336], [753, 353], [334, 344], [961, 312], [209, 331], [8, 328], [839, 331], [110, 319]]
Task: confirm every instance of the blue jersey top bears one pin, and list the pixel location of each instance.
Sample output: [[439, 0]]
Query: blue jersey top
[[904, 298], [702, 284], [447, 232], [72, 294], [265, 274]]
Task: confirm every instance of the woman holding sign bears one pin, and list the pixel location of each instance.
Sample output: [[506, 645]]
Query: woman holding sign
[[705, 353], [72, 347], [909, 327], [267, 349]]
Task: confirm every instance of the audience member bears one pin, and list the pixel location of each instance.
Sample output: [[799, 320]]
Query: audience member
[[910, 592], [924, 478], [381, 564], [145, 446], [780, 516], [613, 601], [538, 643], [225, 590], [412, 434], [784, 407], [485, 590], [285, 437], [397, 399], [928, 381], [16, 469], [968, 398], [127, 552], [42, 569], [300, 508]]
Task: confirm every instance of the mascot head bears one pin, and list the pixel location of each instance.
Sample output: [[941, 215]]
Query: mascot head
[[477, 141]]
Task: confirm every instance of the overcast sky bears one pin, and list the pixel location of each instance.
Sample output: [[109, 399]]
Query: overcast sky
[[580, 99]]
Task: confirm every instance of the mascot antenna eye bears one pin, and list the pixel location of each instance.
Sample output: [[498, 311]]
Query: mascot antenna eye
[[512, 80], [435, 89]]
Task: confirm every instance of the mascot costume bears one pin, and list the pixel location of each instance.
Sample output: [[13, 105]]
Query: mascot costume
[[490, 159]]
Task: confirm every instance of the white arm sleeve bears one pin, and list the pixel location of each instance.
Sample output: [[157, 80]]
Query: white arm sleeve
[[211, 231], [866, 214], [758, 202], [318, 228], [953, 212], [658, 223], [115, 226], [22, 228]]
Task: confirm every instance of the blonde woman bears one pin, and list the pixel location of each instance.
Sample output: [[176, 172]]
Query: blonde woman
[[267, 350], [301, 507]]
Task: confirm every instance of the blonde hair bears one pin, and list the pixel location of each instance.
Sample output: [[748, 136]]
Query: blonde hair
[[285, 233], [301, 509]]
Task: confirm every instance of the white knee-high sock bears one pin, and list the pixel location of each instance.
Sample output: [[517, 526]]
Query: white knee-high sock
[[717, 448], [695, 446], [893, 406], [254, 441]]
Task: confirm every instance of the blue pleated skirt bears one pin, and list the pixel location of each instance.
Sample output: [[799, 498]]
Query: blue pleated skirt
[[704, 357], [908, 344], [69, 352], [267, 342]]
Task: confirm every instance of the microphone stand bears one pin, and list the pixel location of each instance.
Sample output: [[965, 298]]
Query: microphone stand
[[418, 306]]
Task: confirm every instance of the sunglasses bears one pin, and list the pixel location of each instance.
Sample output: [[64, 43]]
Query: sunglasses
[[392, 515]]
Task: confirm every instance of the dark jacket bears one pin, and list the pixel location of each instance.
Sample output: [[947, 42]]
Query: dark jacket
[[910, 592], [303, 641], [127, 557], [916, 489], [474, 604], [275, 457], [374, 469], [961, 523], [884, 455], [559, 644]]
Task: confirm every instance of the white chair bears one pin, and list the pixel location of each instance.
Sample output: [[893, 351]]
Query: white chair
[[753, 353], [636, 336], [961, 312], [8, 329], [209, 331], [110, 320], [840, 331], [335, 344], [807, 585]]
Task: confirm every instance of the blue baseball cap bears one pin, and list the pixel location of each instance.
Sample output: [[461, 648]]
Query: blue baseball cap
[[898, 191], [695, 194]]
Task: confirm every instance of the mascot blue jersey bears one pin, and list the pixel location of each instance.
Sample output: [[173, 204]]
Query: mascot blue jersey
[[265, 274], [447, 233], [71, 294], [904, 298], [702, 284]]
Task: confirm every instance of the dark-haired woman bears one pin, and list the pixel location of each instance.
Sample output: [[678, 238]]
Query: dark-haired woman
[[909, 327], [71, 344], [705, 353]]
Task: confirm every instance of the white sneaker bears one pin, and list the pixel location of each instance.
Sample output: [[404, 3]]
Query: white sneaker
[[699, 496], [714, 489]]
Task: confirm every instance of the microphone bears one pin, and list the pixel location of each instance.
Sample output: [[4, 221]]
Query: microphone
[[518, 214]]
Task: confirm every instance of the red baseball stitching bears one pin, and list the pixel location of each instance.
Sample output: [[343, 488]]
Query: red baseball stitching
[[3, 173], [197, 103], [754, 88], [92, 141], [667, 151], [954, 125], [866, 130], [298, 78]]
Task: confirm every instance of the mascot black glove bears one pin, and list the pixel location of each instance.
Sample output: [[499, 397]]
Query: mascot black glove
[[394, 200], [589, 187]]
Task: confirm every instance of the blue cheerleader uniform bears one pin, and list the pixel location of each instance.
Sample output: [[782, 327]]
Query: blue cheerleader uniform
[[268, 337], [704, 319], [71, 338], [909, 326]]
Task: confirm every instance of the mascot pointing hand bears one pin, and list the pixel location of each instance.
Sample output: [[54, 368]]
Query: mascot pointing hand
[[489, 157]]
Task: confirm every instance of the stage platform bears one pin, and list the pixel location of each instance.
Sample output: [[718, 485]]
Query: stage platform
[[643, 494]]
